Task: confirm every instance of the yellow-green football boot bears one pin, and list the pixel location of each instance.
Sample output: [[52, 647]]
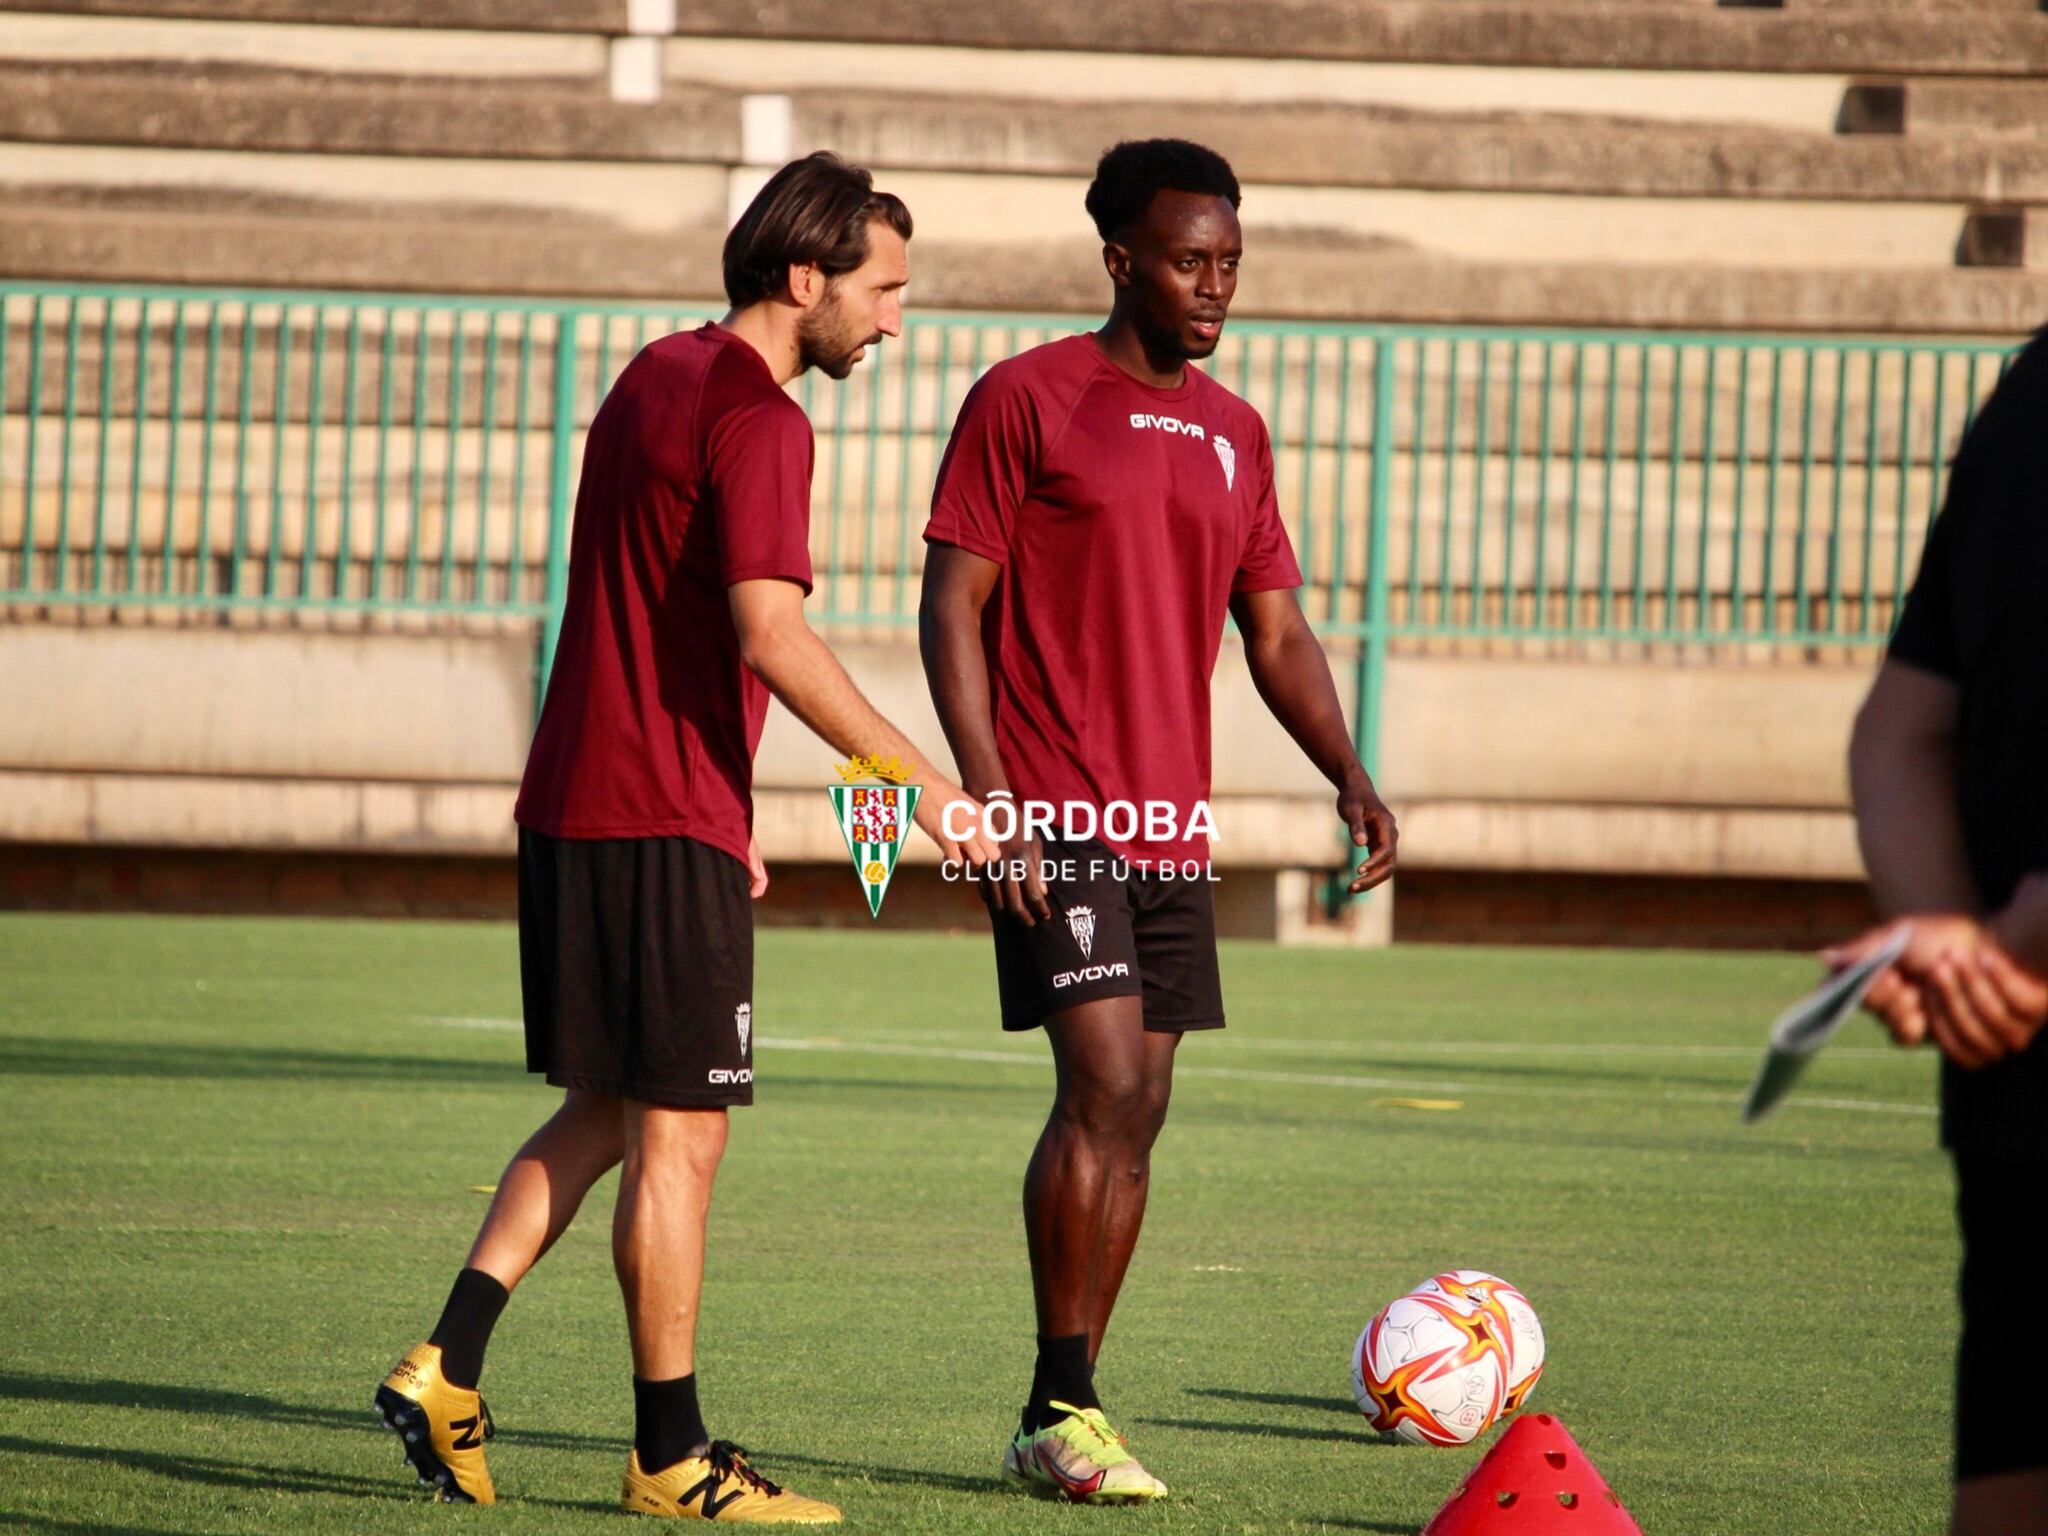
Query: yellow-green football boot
[[444, 1427], [718, 1486], [1081, 1459]]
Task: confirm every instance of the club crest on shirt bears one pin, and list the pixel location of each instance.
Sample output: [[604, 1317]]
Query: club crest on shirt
[[874, 820], [1081, 924], [1228, 455]]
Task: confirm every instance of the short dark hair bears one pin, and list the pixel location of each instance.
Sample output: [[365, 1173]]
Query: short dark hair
[[816, 209], [1138, 170]]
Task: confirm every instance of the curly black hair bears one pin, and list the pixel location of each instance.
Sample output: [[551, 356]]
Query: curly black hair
[[1138, 170]]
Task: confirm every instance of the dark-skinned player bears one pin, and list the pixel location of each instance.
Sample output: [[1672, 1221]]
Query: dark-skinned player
[[1101, 507]]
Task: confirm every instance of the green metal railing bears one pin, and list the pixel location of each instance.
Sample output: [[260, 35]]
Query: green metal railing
[[380, 455]]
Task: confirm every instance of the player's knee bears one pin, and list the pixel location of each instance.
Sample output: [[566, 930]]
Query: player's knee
[[1151, 1117], [1105, 1106], [682, 1140]]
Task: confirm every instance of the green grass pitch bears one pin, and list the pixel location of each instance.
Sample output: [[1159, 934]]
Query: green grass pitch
[[239, 1160]]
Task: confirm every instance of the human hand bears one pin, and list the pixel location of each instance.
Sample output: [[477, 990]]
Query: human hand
[[1371, 825], [976, 847], [1023, 897], [1954, 983]]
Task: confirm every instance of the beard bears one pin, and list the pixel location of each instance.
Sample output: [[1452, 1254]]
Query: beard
[[824, 341]]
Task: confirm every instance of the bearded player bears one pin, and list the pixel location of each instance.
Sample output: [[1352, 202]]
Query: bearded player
[[687, 575], [1101, 506]]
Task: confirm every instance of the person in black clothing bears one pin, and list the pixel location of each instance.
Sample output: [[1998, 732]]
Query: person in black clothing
[[1947, 770]]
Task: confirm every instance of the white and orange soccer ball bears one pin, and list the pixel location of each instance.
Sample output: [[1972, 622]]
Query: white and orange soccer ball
[[1441, 1364], [1511, 1307]]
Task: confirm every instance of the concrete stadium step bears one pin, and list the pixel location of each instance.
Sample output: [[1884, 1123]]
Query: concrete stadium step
[[1527, 229], [279, 110], [1798, 102], [164, 105], [2006, 237], [1510, 32], [1644, 36], [1926, 108], [623, 196], [148, 239], [608, 17], [1806, 103], [403, 50], [1957, 8], [1452, 151]]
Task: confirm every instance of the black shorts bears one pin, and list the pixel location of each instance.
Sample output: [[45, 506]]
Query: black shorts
[[636, 961], [1116, 931], [2001, 1421]]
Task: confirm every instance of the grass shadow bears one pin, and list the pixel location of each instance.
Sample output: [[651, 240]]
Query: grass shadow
[[906, 1477], [212, 1401], [213, 1472], [162, 1397], [1342, 1405], [43, 1056], [1270, 1431], [27, 1522]]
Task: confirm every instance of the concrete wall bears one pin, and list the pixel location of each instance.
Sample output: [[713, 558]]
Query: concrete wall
[[390, 743], [266, 704]]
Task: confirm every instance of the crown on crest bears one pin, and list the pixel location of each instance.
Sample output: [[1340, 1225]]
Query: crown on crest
[[890, 769]]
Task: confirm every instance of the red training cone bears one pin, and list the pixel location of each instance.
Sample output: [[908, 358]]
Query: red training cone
[[1534, 1482]]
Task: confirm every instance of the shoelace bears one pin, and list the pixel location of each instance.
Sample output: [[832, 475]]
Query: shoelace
[[1099, 1430], [730, 1460]]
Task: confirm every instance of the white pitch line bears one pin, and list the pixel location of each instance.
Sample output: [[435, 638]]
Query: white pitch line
[[1250, 1041], [1042, 1061], [1330, 1080]]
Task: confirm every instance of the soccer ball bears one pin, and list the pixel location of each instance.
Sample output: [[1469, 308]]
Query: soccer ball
[[1512, 1309], [1441, 1364]]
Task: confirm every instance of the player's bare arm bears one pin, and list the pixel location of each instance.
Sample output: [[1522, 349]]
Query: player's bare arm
[[1957, 982], [1902, 779], [957, 584], [1293, 676], [800, 670]]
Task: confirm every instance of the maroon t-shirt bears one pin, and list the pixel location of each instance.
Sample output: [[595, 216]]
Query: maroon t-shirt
[[1124, 517], [697, 474]]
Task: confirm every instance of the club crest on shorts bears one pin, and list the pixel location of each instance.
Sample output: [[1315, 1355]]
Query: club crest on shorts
[[1081, 924], [874, 819], [1228, 455], [743, 1018]]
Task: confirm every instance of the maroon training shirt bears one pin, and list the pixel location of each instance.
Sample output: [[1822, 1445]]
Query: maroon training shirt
[[697, 475], [1124, 517]]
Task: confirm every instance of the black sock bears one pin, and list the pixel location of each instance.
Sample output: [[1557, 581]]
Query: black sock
[[466, 1324], [1063, 1374], [667, 1425]]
